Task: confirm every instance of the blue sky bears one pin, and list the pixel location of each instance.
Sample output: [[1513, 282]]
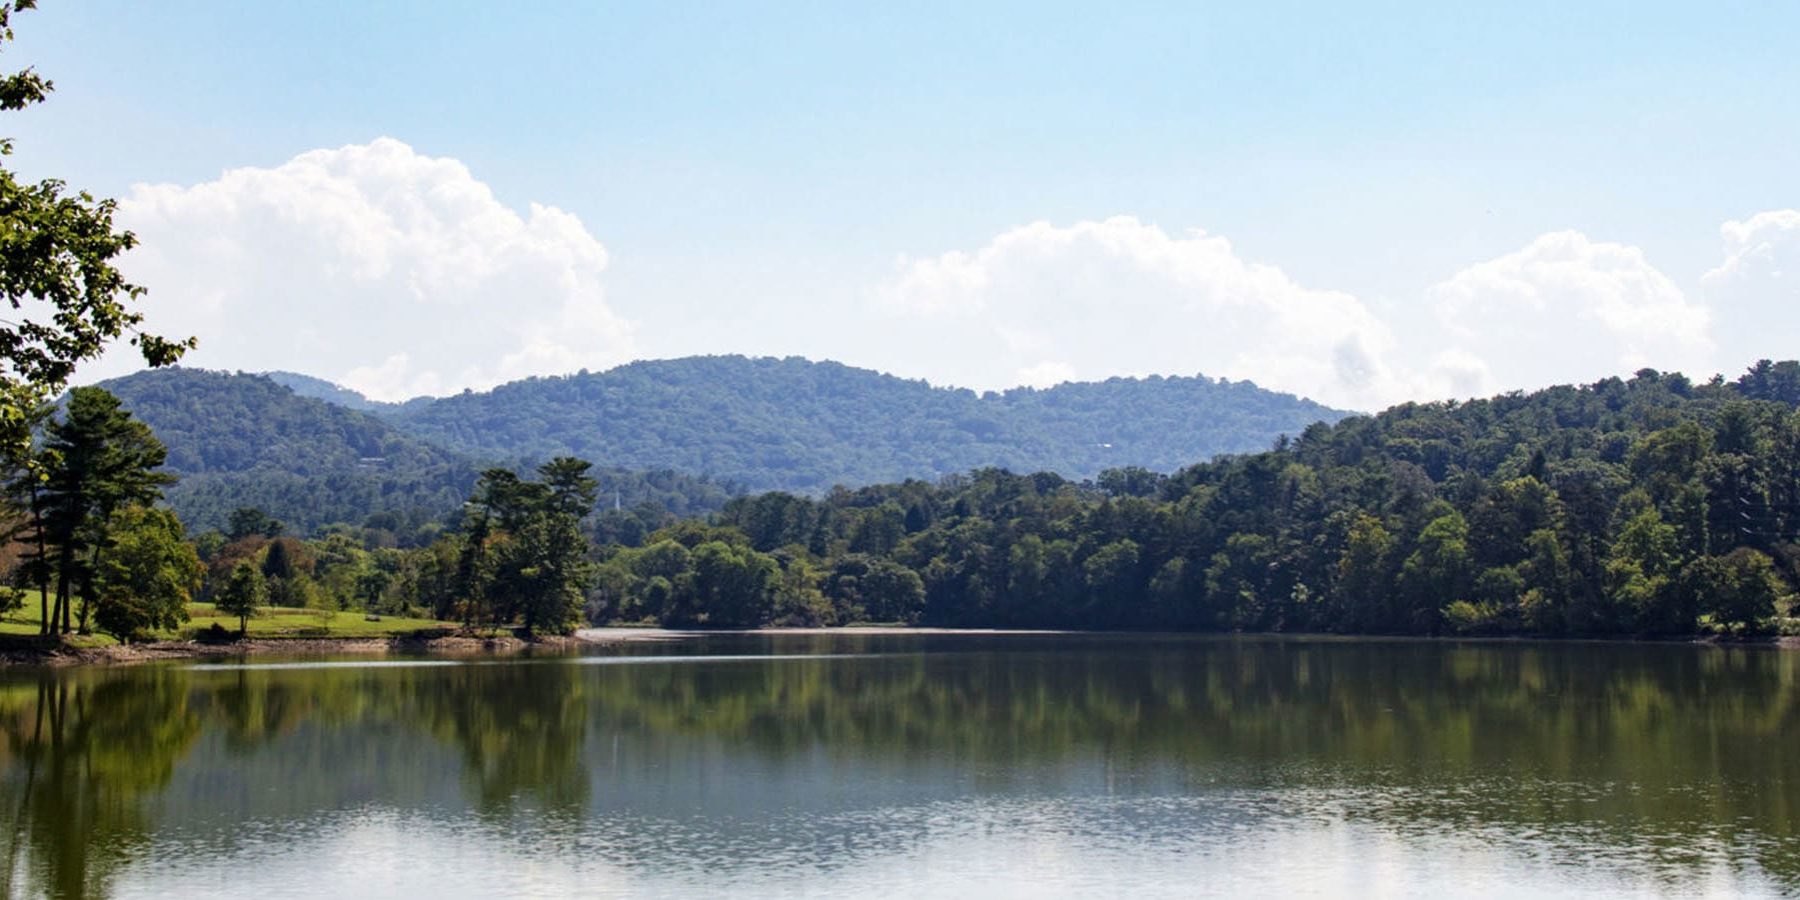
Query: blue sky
[[769, 179]]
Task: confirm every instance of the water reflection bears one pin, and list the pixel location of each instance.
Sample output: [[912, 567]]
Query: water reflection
[[80, 756], [813, 762]]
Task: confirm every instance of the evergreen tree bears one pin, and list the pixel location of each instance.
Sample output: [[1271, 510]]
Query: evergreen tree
[[97, 459]]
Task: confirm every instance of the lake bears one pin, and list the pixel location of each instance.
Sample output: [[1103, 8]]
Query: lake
[[917, 764]]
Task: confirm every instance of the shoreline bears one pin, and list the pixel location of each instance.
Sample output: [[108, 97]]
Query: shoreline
[[59, 655], [45, 654]]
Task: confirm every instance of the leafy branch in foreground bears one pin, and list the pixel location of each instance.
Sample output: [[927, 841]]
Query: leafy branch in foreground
[[58, 251]]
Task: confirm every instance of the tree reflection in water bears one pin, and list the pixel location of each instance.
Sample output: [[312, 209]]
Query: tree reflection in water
[[1651, 750]]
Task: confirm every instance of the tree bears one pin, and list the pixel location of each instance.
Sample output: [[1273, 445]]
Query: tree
[[733, 586], [874, 589], [146, 580], [526, 557], [25, 473], [1130, 481], [68, 300], [1111, 577], [1437, 573], [548, 572], [1739, 589], [371, 588], [502, 495], [1641, 576], [572, 490], [98, 459], [248, 521], [1363, 573], [244, 595]]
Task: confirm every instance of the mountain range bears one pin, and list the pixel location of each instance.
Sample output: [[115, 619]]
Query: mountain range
[[314, 452]]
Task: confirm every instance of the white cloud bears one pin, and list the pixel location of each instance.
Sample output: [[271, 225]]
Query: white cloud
[[394, 272], [1566, 309], [1756, 289], [1046, 374], [1121, 296], [400, 274]]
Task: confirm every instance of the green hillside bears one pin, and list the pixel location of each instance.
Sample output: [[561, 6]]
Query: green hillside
[[240, 440], [793, 424], [1648, 505]]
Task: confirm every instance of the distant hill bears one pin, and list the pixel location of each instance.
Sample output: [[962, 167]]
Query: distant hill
[[320, 389], [244, 440], [678, 435], [334, 393], [798, 425]]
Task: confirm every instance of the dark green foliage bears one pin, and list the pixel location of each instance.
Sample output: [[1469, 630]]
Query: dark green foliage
[[790, 424], [1648, 506], [728, 586], [1739, 590], [95, 460], [243, 595], [524, 557], [865, 588], [246, 447], [148, 575], [243, 444], [248, 521]]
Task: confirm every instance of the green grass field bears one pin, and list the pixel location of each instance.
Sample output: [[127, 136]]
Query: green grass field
[[274, 623]]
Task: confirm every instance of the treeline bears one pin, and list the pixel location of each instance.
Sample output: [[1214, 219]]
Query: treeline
[[1647, 506], [86, 532], [520, 557], [1652, 505]]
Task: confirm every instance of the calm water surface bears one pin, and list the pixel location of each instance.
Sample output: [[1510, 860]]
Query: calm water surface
[[999, 766]]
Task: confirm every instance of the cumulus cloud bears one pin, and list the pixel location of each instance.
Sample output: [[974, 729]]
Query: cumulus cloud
[[1121, 296], [394, 272], [1756, 288], [401, 274], [1565, 309]]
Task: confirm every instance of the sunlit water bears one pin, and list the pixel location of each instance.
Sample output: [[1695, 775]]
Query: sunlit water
[[993, 766]]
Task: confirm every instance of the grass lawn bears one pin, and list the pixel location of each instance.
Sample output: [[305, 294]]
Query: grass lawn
[[274, 622], [277, 621]]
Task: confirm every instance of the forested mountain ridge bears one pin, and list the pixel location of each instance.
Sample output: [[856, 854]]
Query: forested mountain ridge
[[798, 425], [1649, 505], [241, 440]]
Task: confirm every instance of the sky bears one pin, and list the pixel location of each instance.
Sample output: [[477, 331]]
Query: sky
[[1363, 203]]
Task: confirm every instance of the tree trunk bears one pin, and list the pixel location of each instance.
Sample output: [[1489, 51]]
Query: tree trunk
[[59, 614], [87, 587]]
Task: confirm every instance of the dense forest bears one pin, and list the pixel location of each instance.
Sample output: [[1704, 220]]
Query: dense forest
[[1644, 506], [1649, 505], [795, 425], [679, 437], [237, 440]]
